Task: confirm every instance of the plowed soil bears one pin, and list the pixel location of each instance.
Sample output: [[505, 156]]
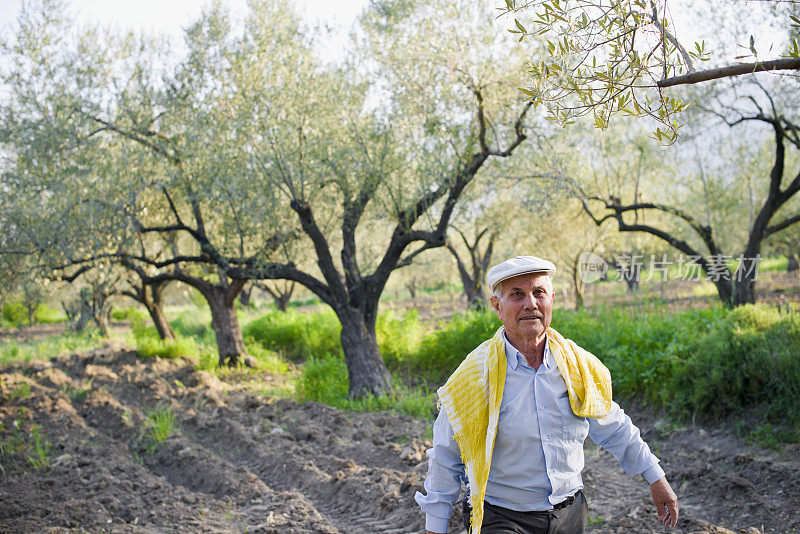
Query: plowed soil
[[240, 461]]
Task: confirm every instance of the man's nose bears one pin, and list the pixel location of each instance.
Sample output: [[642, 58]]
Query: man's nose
[[530, 301]]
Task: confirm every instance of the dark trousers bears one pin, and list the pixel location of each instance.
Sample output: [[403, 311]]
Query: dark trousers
[[570, 519]]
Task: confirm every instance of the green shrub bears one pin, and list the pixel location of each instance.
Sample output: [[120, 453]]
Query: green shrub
[[140, 326], [150, 347], [640, 348], [297, 335], [399, 339], [748, 359], [15, 313], [267, 360], [444, 348], [159, 425], [325, 380], [124, 314], [47, 347], [45, 313], [193, 323]]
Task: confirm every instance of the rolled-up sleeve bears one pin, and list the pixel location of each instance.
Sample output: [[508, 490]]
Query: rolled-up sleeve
[[445, 473], [617, 434]]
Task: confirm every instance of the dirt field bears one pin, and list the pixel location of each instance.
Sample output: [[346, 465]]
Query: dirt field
[[242, 462]]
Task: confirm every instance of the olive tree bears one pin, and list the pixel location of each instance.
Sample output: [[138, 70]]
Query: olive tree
[[689, 223], [80, 123], [249, 154], [373, 181]]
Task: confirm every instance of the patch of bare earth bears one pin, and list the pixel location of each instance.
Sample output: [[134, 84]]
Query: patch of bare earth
[[243, 462]]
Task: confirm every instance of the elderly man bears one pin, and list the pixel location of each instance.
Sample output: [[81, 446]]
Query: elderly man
[[514, 417]]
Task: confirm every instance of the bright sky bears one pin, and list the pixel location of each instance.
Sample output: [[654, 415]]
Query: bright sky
[[170, 16]]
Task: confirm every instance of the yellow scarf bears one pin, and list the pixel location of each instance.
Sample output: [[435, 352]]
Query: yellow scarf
[[473, 393]]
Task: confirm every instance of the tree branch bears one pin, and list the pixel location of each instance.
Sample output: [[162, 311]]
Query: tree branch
[[135, 137], [782, 225], [321, 246], [731, 70]]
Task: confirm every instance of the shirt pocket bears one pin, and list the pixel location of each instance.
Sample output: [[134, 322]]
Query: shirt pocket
[[573, 428]]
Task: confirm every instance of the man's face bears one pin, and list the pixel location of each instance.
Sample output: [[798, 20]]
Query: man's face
[[526, 305]]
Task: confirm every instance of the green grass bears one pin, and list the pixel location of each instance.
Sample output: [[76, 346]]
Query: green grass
[[325, 379], [159, 425], [441, 350], [296, 335], [46, 314], [39, 449], [15, 314], [399, 338], [771, 265], [641, 347], [30, 444], [769, 436], [149, 345], [194, 323], [267, 360], [23, 391], [314, 337], [78, 394], [712, 361], [46, 348], [747, 359], [166, 348], [11, 439]]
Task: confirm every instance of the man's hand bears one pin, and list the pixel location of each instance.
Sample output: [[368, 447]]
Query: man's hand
[[666, 502]]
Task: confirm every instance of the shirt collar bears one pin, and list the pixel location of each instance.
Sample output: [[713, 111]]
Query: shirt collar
[[515, 357]]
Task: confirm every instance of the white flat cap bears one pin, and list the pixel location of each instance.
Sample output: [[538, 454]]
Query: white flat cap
[[517, 266]]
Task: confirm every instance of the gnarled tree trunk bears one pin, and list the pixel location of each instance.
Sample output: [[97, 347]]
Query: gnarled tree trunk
[[281, 294], [473, 277], [226, 327], [577, 283], [148, 291], [221, 298], [793, 265], [154, 305], [365, 366], [744, 285]]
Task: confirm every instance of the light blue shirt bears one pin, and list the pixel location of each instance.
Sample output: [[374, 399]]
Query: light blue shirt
[[538, 452]]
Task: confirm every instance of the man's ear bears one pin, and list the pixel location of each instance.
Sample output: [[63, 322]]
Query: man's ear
[[495, 305]]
